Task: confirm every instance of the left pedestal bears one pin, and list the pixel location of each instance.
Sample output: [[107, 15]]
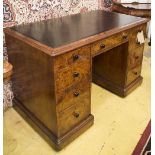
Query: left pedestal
[[52, 91]]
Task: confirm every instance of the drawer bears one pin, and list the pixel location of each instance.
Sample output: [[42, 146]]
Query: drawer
[[133, 37], [108, 43], [135, 57], [72, 116], [73, 95], [133, 74], [77, 56], [68, 76]]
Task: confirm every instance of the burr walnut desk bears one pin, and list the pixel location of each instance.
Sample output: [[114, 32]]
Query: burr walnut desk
[[56, 60]]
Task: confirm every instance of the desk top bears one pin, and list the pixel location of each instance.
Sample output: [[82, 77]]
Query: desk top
[[65, 32]]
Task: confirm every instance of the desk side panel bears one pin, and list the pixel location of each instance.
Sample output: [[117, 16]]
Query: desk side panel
[[33, 80]]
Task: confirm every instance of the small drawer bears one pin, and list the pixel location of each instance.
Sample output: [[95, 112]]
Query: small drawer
[[133, 74], [73, 74], [77, 56], [133, 37], [135, 57], [108, 43], [72, 116], [75, 94]]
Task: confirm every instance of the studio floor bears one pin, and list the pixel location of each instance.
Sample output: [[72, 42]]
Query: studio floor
[[119, 123]]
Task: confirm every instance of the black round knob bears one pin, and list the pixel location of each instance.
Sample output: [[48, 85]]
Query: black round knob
[[76, 94], [138, 42], [139, 30], [75, 74], [75, 114], [136, 73], [136, 57], [75, 57], [102, 46]]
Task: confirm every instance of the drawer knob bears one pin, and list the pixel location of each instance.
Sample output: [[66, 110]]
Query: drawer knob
[[102, 46], [75, 74], [75, 114], [75, 57], [136, 73], [136, 57], [124, 36], [139, 31], [138, 43], [76, 94]]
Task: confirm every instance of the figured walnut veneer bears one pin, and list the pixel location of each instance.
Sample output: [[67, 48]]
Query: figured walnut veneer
[[56, 60]]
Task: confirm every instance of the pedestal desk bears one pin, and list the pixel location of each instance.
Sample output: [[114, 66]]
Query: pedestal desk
[[56, 60]]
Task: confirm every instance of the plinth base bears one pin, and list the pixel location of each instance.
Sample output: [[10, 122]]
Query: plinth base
[[116, 89], [55, 142]]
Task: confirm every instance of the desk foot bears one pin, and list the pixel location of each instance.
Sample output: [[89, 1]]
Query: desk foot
[[51, 139], [116, 89]]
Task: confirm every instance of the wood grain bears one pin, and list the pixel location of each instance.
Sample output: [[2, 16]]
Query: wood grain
[[53, 63]]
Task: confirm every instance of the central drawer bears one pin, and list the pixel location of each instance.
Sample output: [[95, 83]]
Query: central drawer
[[108, 43]]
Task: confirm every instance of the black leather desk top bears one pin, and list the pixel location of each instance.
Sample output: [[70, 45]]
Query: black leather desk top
[[65, 30]]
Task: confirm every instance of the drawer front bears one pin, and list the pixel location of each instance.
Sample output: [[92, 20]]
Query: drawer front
[[77, 56], [133, 37], [135, 57], [68, 76], [135, 49], [108, 43], [72, 116], [133, 74], [73, 95]]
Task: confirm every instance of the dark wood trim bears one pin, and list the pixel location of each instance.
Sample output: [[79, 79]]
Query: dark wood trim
[[73, 45]]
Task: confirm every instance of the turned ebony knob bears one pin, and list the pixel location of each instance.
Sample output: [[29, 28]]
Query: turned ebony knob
[[75, 114], [102, 46], [136, 57], [136, 73], [76, 94], [75, 57], [139, 30], [75, 74]]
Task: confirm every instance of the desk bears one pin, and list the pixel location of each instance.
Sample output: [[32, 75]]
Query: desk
[[56, 60]]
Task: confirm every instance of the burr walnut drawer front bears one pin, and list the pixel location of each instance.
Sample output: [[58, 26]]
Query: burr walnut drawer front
[[77, 56], [75, 94], [135, 57], [72, 116], [133, 74], [108, 43], [70, 75], [133, 37]]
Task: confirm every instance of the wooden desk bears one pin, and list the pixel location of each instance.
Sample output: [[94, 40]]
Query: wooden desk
[[53, 68]]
